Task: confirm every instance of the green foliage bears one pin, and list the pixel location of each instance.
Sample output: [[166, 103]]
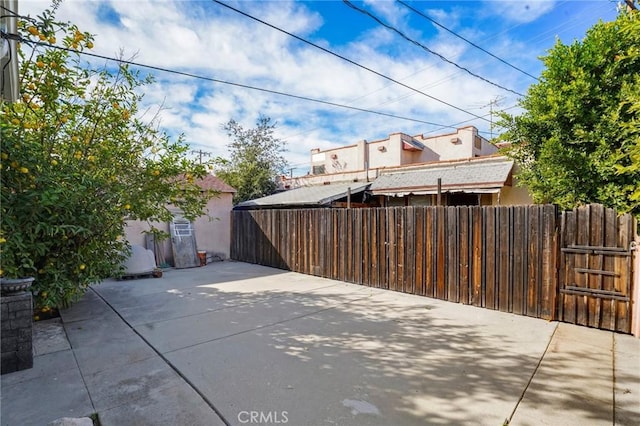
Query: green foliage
[[256, 160], [578, 139], [77, 162]]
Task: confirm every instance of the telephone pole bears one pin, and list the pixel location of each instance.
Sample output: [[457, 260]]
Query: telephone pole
[[201, 154], [491, 104]]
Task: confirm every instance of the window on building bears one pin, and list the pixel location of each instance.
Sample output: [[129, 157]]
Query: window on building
[[319, 170], [462, 199], [396, 202], [477, 142]]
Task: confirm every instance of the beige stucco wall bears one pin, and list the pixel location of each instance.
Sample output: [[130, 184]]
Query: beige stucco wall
[[212, 230], [455, 145], [389, 152], [351, 161], [514, 196], [346, 159]]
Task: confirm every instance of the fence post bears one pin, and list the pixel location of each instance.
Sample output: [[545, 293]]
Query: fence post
[[635, 289]]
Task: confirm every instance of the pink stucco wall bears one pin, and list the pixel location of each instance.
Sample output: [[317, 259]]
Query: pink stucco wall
[[212, 230]]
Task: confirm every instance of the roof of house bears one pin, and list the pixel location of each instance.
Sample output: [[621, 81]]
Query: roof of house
[[472, 175], [214, 183], [316, 196]]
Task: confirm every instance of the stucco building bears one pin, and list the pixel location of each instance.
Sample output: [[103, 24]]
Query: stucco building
[[212, 231], [462, 167]]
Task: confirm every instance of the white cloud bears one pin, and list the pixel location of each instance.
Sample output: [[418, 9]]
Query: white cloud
[[203, 38], [521, 11]]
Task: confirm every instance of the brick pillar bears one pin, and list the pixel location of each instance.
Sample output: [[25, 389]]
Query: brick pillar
[[16, 333]]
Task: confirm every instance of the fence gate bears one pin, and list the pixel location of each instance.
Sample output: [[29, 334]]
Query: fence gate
[[596, 249]]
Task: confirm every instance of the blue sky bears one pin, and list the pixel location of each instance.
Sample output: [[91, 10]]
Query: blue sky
[[207, 39]]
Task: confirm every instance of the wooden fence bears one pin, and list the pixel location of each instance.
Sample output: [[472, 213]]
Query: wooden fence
[[502, 258], [595, 274]]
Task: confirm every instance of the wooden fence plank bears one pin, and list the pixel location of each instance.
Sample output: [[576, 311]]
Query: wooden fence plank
[[517, 265], [464, 249], [582, 238], [609, 264], [358, 258], [490, 258], [625, 232], [452, 263], [391, 246], [549, 264], [441, 250], [409, 252], [504, 253], [420, 247], [533, 283], [400, 250], [429, 252], [477, 232], [596, 238]]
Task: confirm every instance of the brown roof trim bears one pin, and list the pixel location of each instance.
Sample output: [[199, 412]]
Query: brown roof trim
[[478, 185]]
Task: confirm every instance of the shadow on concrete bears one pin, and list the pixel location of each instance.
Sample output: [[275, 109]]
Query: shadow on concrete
[[328, 352]]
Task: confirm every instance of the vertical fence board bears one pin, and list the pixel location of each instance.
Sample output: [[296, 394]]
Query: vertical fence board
[[504, 253], [367, 228], [517, 265], [609, 264], [420, 247], [429, 252], [409, 252], [582, 306], [477, 282], [550, 264], [400, 229], [463, 244], [452, 261], [391, 247], [596, 262], [532, 266], [490, 258], [625, 226], [441, 253], [383, 250], [375, 260]]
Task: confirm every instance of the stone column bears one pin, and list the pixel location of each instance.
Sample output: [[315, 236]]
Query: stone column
[[17, 328]]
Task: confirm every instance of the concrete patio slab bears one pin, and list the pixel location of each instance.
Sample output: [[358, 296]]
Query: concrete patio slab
[[54, 389], [173, 334], [49, 336], [179, 405], [385, 362], [575, 378], [627, 379], [121, 385]]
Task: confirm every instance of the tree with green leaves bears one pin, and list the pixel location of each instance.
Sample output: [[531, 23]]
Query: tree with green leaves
[[578, 140], [77, 161], [256, 160]]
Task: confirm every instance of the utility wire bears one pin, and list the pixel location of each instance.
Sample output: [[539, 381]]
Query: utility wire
[[455, 125], [425, 48], [468, 41], [215, 80], [345, 58]]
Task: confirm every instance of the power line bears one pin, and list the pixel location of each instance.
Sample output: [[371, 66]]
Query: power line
[[345, 58], [455, 125], [425, 48], [468, 41], [215, 80]]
